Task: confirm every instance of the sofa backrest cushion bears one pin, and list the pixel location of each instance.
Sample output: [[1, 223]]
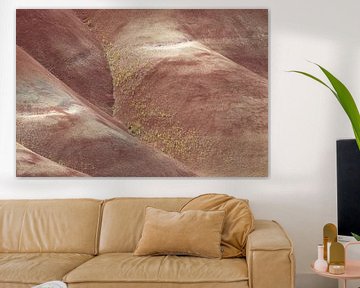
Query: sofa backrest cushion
[[123, 220], [64, 226]]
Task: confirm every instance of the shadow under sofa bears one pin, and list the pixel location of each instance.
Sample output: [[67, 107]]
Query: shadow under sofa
[[90, 243]]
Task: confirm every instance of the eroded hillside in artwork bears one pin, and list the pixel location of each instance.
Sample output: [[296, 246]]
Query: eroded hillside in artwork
[[142, 93]]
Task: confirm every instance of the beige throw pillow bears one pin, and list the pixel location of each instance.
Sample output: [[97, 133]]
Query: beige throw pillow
[[239, 220], [194, 232]]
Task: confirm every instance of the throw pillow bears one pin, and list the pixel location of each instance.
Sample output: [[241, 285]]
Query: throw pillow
[[196, 233]]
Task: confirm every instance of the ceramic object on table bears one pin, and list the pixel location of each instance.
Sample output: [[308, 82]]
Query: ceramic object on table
[[320, 264], [329, 236]]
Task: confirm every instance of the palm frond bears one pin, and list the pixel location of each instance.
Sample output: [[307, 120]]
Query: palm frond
[[344, 97]]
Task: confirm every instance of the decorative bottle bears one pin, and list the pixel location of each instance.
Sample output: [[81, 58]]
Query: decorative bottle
[[320, 264]]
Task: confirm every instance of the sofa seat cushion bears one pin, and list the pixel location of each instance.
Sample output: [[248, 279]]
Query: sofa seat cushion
[[125, 267], [15, 285], [242, 284], [35, 268]]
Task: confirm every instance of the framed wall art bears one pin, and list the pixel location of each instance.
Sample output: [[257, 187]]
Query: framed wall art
[[118, 93]]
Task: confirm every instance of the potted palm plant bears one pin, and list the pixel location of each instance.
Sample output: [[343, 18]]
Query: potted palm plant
[[346, 100]]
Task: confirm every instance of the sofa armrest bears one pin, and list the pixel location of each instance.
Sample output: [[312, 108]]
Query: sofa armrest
[[269, 256]]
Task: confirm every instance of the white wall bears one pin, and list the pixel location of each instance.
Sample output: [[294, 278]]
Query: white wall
[[304, 119]]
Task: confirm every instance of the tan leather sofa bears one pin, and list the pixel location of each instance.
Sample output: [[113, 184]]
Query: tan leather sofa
[[89, 243]]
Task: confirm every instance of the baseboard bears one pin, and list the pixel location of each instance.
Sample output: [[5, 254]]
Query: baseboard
[[309, 280]]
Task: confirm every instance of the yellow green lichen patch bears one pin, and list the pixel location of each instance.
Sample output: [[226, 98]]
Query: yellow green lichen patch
[[134, 129], [177, 142], [125, 66], [145, 112]]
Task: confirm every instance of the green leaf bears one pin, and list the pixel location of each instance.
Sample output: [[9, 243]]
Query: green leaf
[[347, 102], [356, 236], [344, 97], [314, 78]]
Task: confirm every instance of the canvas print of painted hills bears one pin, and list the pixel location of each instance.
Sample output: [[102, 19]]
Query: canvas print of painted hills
[[123, 93]]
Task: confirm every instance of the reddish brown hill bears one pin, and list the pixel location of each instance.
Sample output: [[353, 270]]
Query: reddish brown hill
[[239, 36], [56, 123], [193, 88], [31, 164], [66, 47]]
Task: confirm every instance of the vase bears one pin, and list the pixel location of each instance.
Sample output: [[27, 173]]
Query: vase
[[320, 264]]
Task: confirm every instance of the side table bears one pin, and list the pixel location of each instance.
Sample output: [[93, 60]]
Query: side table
[[352, 269]]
